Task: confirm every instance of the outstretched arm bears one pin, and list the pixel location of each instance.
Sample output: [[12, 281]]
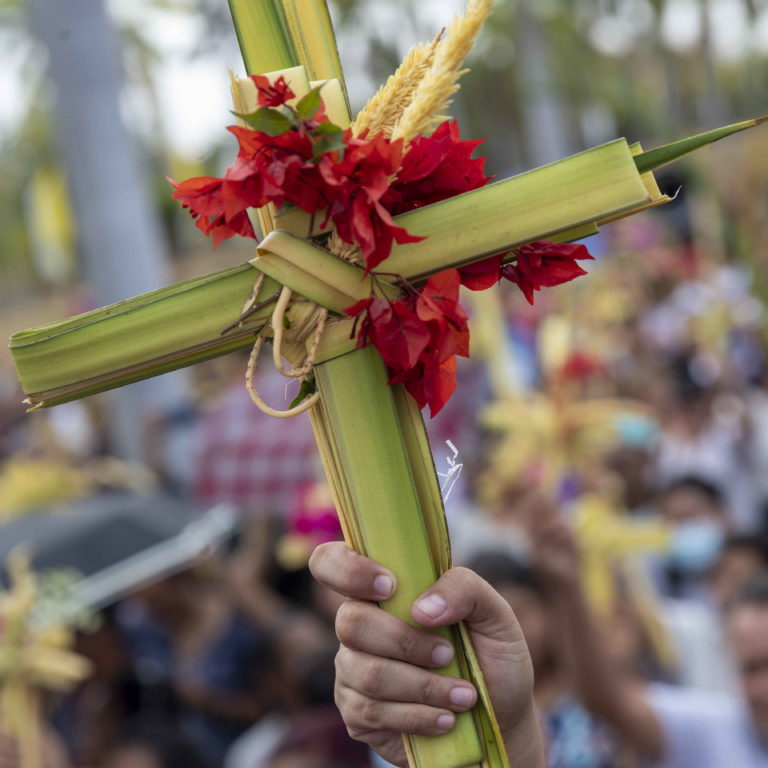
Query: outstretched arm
[[601, 686], [384, 683]]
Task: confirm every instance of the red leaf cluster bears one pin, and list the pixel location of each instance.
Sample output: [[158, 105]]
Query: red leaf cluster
[[436, 168], [359, 188], [538, 265], [355, 187], [544, 264], [418, 337]]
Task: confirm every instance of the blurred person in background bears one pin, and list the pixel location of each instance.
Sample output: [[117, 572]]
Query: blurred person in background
[[742, 559], [667, 725], [188, 644], [272, 586], [698, 627], [694, 510], [574, 738], [152, 745], [704, 434], [696, 513], [247, 458], [91, 718]]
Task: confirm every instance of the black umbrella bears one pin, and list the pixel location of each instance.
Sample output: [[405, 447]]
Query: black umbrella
[[117, 541]]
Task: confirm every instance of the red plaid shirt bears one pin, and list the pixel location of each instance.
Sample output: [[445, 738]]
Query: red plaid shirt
[[253, 460], [259, 462]]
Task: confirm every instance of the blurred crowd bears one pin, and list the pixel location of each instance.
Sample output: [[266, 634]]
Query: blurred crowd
[[623, 515]]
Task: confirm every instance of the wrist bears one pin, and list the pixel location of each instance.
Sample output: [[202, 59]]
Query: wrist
[[524, 742]]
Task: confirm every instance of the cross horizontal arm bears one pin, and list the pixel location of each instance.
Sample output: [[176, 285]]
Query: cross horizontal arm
[[181, 325], [139, 338]]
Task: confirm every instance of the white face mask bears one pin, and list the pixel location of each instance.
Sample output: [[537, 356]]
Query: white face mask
[[696, 545]]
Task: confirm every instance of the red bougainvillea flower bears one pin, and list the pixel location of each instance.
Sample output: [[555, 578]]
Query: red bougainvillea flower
[[419, 337], [272, 94], [355, 185], [360, 183], [276, 169], [435, 168], [205, 200], [268, 169], [544, 264], [538, 264]]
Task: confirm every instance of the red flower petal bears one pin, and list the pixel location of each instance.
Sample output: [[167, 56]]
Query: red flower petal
[[545, 264], [439, 299], [358, 307], [272, 94], [438, 384], [482, 274], [435, 168], [397, 333], [514, 275], [202, 195]]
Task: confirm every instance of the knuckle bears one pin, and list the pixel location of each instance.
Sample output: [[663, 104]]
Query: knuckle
[[463, 575], [342, 663], [372, 677], [340, 698], [370, 713], [348, 621], [354, 571], [406, 644], [317, 560], [429, 689], [413, 721], [349, 706]]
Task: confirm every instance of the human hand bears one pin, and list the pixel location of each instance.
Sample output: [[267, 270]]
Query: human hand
[[52, 751], [384, 683], [555, 550]]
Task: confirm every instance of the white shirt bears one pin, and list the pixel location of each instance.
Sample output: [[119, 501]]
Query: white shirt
[[705, 730]]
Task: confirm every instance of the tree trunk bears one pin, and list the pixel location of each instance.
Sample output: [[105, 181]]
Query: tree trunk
[[120, 241]]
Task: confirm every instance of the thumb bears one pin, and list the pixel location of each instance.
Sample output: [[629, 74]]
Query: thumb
[[461, 595]]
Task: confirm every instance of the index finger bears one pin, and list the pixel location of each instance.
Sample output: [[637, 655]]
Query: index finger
[[336, 566]]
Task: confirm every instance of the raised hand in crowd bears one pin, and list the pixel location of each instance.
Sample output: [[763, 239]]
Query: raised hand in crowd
[[384, 686]]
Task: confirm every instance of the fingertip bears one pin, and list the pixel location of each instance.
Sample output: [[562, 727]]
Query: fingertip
[[445, 722], [351, 574], [429, 608], [442, 654], [463, 697], [384, 586]]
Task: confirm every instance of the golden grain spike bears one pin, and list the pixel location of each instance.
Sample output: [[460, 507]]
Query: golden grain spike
[[433, 95], [385, 107]]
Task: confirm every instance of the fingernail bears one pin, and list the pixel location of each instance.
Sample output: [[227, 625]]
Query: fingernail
[[462, 697], [432, 605], [383, 586], [446, 722], [442, 654]]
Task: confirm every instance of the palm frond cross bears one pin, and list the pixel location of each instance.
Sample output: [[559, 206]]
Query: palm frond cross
[[370, 434]]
